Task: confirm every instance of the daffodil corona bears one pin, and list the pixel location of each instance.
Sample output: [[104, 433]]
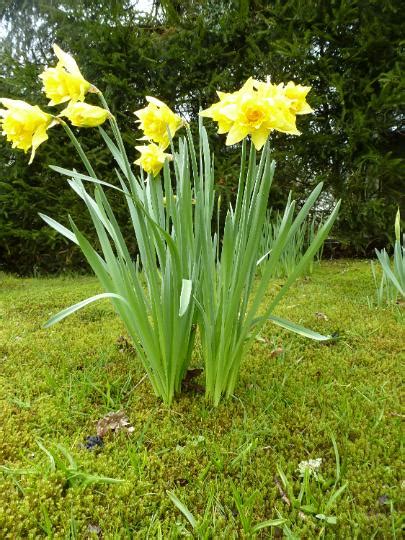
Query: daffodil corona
[[65, 81], [24, 125], [156, 120], [152, 158], [257, 109], [85, 115]]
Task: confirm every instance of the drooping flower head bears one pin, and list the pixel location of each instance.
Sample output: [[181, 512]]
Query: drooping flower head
[[257, 109], [85, 115], [152, 158], [65, 81], [24, 125], [156, 120]]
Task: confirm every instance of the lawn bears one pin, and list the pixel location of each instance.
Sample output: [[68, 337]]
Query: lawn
[[193, 470]]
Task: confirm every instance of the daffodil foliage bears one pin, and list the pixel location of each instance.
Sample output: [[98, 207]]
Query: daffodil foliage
[[184, 277]]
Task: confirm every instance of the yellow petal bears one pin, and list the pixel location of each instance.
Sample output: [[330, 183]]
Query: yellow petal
[[305, 109], [259, 137], [236, 134], [67, 61], [155, 101], [207, 113], [39, 137]]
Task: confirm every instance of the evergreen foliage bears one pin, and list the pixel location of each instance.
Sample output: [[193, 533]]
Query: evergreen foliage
[[350, 52]]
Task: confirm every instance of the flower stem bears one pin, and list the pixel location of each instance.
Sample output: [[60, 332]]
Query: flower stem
[[79, 148]]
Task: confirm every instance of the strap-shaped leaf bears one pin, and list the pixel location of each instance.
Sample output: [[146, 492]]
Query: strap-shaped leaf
[[385, 263], [74, 174], [185, 295], [68, 311], [59, 227], [298, 329]]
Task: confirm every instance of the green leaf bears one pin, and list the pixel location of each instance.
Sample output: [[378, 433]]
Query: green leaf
[[60, 228], [329, 519], [268, 523], [297, 328], [68, 311], [183, 509], [185, 295]]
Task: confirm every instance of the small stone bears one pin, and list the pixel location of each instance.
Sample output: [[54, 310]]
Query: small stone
[[93, 442], [383, 499], [94, 529]]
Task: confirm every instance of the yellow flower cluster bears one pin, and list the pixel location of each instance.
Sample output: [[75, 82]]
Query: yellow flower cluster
[[26, 125], [257, 109], [159, 124], [65, 83]]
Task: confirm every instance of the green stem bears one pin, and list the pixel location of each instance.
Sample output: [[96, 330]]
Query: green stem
[[118, 138], [79, 148]]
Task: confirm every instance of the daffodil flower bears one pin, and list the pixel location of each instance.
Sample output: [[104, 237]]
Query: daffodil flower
[[65, 81], [85, 115], [297, 94], [157, 120], [24, 125], [257, 109], [152, 158]]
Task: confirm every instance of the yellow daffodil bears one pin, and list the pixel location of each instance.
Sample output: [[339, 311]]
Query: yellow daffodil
[[257, 109], [218, 111], [24, 125], [152, 158], [297, 95], [85, 115], [257, 112], [156, 120], [64, 82]]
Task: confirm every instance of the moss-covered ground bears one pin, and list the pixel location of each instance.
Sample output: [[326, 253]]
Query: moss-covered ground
[[296, 400]]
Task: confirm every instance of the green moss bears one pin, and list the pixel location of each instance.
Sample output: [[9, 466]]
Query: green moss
[[55, 384]]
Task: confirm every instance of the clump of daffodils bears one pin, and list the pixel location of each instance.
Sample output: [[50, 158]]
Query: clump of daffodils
[[312, 466], [257, 109], [159, 124], [25, 125]]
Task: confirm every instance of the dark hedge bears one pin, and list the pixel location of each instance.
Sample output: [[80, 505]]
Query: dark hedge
[[350, 52]]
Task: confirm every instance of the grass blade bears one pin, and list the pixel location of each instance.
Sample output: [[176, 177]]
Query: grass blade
[[183, 509]]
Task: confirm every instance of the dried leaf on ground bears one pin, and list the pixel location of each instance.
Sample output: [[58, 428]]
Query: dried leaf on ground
[[114, 422], [320, 315]]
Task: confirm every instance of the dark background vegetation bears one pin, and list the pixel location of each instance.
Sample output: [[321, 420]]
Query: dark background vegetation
[[350, 52]]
